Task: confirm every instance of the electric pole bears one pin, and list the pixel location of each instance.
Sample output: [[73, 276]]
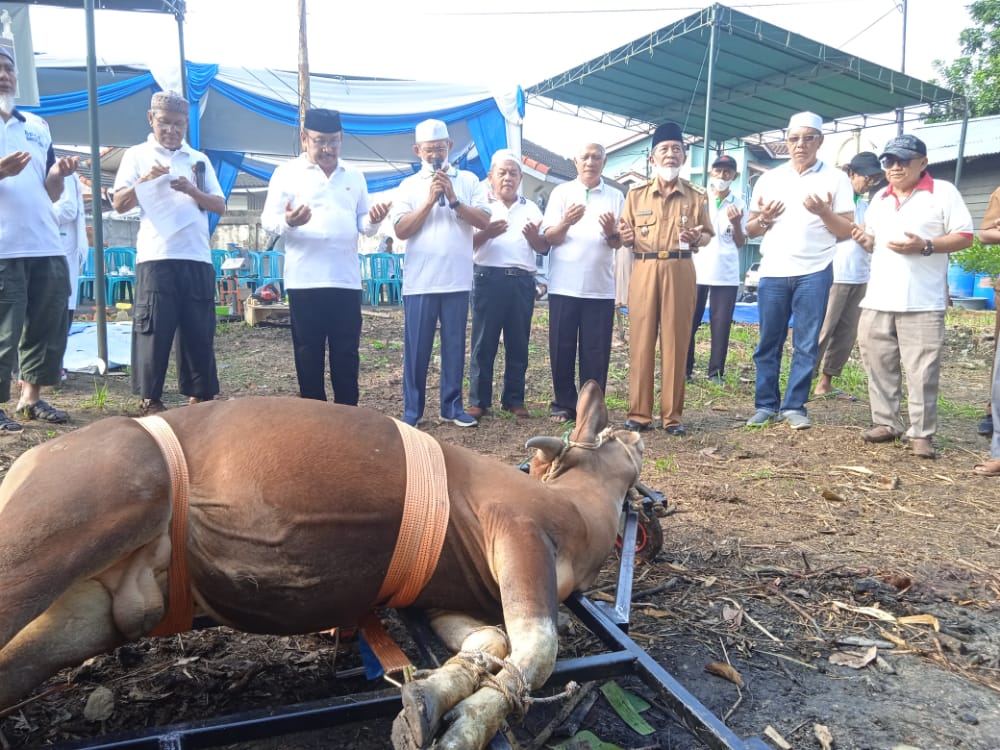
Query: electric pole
[[303, 64]]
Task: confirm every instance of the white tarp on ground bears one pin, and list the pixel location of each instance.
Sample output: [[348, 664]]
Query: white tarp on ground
[[81, 348]]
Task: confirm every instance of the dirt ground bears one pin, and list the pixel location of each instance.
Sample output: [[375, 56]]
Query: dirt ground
[[786, 553]]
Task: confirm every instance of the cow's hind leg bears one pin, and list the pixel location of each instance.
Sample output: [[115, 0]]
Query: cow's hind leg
[[77, 626], [429, 697]]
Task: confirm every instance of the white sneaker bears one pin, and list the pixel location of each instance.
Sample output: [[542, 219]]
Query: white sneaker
[[796, 420], [761, 417]]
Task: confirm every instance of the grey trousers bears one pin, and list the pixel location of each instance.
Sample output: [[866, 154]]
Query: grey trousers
[[913, 340], [840, 328]]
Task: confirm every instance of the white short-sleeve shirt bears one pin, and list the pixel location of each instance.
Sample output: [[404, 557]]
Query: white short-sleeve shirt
[[510, 249], [913, 283], [851, 263], [189, 243], [323, 252], [439, 255], [718, 263], [27, 222], [798, 242], [584, 264]]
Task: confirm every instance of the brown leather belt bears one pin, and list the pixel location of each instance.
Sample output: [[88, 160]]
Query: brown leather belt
[[663, 255]]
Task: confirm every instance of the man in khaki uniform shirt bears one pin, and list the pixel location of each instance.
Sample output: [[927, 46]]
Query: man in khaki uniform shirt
[[663, 223]]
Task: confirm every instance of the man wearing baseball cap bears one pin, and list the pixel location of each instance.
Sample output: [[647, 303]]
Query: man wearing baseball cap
[[174, 275], [910, 228], [436, 211], [851, 267], [34, 276], [718, 266], [800, 210]]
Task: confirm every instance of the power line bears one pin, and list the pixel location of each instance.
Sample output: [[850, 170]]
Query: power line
[[877, 20]]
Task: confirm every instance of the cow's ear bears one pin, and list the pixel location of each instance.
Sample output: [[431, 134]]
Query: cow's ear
[[591, 413]]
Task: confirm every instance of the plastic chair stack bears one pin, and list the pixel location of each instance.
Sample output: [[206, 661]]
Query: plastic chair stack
[[386, 279], [87, 278], [119, 274], [272, 269]]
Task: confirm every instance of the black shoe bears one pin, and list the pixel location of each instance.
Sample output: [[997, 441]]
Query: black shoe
[[631, 424], [985, 427], [677, 430]]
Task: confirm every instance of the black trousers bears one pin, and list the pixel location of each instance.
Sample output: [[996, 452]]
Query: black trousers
[[583, 323], [720, 321], [321, 316], [174, 297]]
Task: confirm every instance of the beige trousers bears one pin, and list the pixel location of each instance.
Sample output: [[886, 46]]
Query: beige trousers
[[840, 328]]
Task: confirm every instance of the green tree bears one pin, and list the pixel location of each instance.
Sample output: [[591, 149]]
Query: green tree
[[976, 74]]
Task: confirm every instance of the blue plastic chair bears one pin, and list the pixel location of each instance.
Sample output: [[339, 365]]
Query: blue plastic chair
[[272, 269], [87, 278], [119, 274], [386, 277]]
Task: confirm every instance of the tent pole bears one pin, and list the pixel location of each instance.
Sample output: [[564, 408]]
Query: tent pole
[[961, 141], [101, 314], [713, 23], [180, 47], [304, 93]]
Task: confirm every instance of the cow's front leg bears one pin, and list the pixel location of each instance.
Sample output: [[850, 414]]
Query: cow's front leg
[[524, 565], [427, 698]]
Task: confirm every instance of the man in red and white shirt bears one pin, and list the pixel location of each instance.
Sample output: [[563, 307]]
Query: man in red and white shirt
[[910, 228]]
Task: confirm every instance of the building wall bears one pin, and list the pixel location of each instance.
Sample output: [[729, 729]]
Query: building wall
[[980, 177]]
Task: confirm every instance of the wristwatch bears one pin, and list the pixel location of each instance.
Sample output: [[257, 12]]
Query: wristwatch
[[928, 248], [454, 204]]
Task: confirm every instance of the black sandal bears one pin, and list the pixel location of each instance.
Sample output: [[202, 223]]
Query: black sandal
[[44, 412], [9, 425]]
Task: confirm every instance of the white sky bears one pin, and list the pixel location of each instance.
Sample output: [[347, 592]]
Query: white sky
[[495, 43]]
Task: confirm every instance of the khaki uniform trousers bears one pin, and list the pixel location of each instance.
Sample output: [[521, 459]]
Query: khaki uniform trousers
[[662, 296]]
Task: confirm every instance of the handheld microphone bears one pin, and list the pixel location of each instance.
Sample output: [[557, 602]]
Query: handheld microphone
[[437, 168]]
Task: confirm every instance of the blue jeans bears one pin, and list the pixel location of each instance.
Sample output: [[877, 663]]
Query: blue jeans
[[778, 299], [421, 313]]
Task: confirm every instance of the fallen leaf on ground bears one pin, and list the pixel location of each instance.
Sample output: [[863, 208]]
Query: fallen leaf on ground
[[900, 643], [603, 596], [709, 582], [100, 705], [823, 735], [725, 671], [921, 620], [772, 734], [888, 483], [656, 612], [856, 469], [853, 659], [732, 615], [869, 611], [832, 496], [627, 705]]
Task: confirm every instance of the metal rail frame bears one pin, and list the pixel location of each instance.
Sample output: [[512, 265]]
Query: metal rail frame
[[608, 623]]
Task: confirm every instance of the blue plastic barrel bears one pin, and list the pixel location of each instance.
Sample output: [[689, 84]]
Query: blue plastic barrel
[[960, 281], [984, 288]]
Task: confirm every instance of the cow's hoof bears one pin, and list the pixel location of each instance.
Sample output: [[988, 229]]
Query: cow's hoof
[[417, 723]]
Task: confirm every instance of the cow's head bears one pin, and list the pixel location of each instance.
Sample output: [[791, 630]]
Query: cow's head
[[553, 455]]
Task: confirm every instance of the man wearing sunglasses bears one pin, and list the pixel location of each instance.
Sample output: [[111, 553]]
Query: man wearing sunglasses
[[800, 210], [910, 228]]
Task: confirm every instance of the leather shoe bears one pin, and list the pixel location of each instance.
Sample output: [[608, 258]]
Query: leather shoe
[[631, 424], [677, 430], [878, 433], [985, 427], [476, 412], [518, 411], [922, 447]]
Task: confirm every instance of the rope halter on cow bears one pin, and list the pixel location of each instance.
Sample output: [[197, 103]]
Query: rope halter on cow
[[608, 434]]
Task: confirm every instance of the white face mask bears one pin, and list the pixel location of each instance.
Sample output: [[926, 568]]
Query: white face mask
[[719, 185], [668, 174]]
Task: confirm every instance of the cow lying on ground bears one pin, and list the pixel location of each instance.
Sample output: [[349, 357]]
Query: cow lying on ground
[[294, 513]]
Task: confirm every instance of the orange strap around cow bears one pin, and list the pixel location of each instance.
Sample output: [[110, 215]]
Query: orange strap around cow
[[180, 607], [425, 520]]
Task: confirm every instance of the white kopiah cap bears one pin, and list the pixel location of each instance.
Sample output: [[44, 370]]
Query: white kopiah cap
[[504, 154], [806, 120], [431, 130]]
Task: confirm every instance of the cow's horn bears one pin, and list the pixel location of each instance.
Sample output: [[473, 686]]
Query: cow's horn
[[551, 447]]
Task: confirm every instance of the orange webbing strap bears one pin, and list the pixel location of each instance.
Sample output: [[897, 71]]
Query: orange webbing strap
[[386, 650], [425, 520], [180, 607]]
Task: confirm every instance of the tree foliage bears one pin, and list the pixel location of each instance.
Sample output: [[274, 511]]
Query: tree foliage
[[976, 74]]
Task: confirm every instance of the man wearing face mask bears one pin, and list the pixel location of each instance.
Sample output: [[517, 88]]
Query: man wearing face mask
[[436, 211], [664, 223], [718, 266]]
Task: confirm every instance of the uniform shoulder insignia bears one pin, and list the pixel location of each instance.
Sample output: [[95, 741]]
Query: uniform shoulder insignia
[[698, 188]]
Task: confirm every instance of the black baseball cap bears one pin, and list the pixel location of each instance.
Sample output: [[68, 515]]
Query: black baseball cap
[[725, 162], [865, 164], [904, 147]]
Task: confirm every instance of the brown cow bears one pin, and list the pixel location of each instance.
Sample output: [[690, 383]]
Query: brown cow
[[294, 512]]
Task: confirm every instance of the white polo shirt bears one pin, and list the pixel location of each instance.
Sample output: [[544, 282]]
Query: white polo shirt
[[323, 252], [913, 283], [191, 242], [718, 263], [798, 242], [439, 255], [584, 264], [27, 222], [851, 264], [510, 249]]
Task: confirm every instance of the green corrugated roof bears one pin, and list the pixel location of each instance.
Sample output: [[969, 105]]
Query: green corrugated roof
[[762, 75]]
